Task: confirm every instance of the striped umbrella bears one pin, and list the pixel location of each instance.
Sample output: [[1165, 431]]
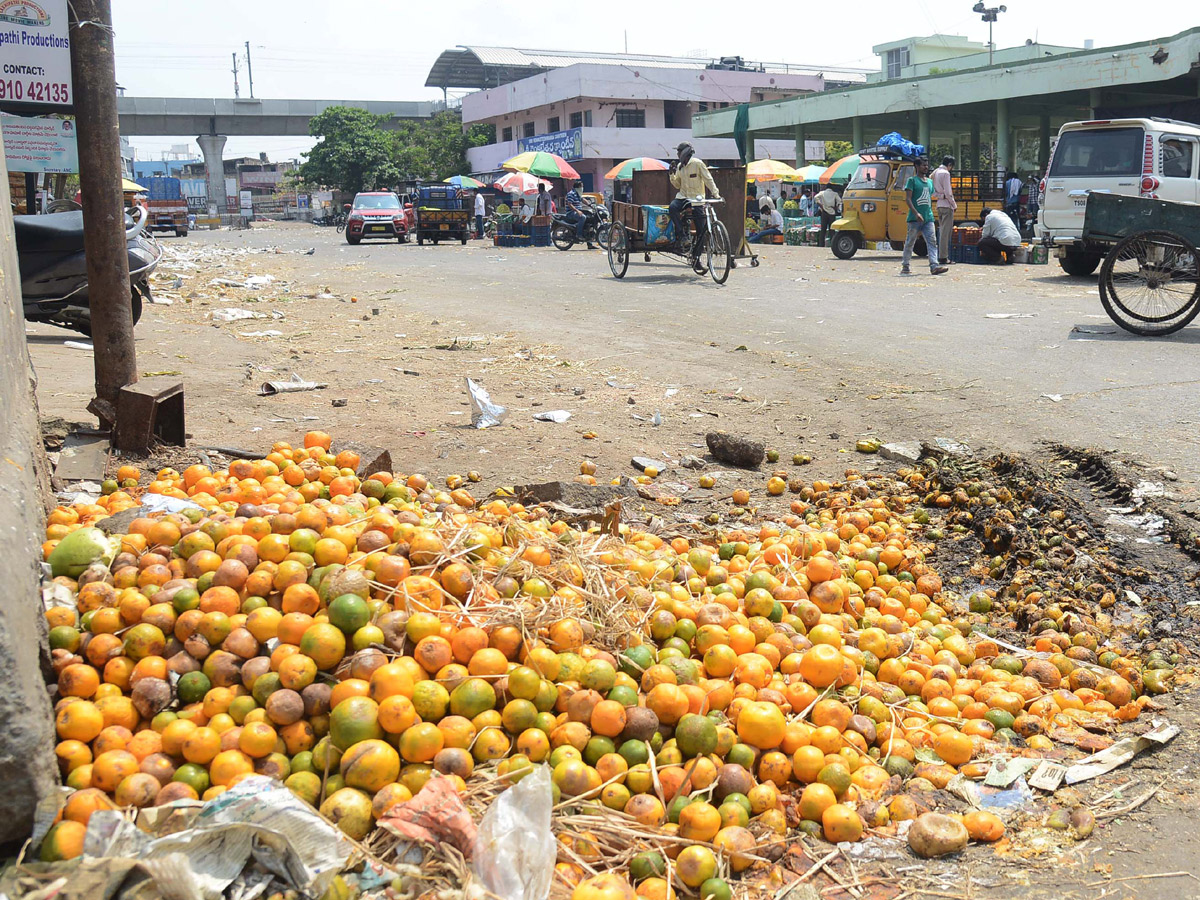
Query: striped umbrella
[[769, 170], [520, 183], [623, 171], [807, 175], [547, 165], [841, 171], [464, 181]]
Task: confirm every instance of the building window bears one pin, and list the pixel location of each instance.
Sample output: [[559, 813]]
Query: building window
[[527, 129], [506, 134], [631, 118], [576, 120], [701, 106], [552, 124], [896, 60], [587, 118]]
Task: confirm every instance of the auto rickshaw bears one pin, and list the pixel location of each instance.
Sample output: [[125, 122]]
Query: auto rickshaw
[[874, 208], [873, 204]]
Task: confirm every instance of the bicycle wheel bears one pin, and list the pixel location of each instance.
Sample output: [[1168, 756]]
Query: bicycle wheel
[[618, 250], [1150, 283], [720, 258], [602, 232]]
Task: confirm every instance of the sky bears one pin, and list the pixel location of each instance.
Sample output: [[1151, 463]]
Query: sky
[[383, 49]]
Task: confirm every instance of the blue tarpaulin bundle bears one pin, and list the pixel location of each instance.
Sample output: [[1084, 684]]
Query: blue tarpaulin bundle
[[901, 144]]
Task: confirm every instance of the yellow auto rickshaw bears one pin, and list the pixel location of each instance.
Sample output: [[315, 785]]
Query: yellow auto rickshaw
[[874, 208]]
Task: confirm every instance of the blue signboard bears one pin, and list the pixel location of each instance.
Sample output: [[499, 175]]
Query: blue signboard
[[567, 144]]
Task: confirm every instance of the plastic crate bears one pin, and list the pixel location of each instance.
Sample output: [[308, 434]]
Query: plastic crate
[[971, 236], [970, 254], [956, 255]]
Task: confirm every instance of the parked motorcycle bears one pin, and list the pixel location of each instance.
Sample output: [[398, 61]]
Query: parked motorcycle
[[54, 286], [595, 229]]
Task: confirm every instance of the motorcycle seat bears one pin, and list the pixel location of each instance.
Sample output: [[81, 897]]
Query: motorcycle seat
[[54, 232]]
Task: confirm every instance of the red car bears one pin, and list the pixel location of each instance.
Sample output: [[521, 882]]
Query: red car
[[378, 214]]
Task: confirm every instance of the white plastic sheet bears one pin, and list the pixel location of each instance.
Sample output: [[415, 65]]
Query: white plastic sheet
[[515, 850]]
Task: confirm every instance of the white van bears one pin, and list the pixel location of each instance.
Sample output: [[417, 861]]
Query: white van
[[1135, 157]]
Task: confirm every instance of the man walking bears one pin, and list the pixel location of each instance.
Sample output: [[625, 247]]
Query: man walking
[[1012, 198], [918, 194], [480, 212], [943, 190], [829, 204]]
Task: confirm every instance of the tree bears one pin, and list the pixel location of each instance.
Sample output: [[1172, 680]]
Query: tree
[[436, 148], [835, 150], [354, 153]]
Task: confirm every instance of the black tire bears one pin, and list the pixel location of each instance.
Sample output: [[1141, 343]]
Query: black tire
[[181, 232], [618, 251], [341, 226], [602, 233], [136, 304], [352, 240], [720, 257], [845, 244], [420, 239], [919, 248], [896, 245], [1080, 263], [562, 237], [464, 240], [1150, 283]]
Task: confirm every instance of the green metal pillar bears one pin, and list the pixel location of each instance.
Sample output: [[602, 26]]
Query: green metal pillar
[[975, 160], [856, 126], [924, 131], [799, 140], [1095, 101], [751, 154], [1043, 144], [1003, 136]]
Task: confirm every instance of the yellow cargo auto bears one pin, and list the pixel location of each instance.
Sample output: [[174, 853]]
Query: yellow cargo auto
[[874, 209]]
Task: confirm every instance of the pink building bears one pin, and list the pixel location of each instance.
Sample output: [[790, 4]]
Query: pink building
[[598, 109]]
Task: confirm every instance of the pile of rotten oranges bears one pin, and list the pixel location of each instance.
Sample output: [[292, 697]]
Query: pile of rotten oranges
[[354, 637]]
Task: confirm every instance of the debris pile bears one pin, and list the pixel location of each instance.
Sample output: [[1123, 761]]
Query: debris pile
[[691, 702]]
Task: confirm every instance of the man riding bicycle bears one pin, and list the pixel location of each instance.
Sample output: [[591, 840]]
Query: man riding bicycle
[[691, 176]]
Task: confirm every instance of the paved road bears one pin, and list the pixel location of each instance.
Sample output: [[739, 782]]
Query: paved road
[[847, 347], [859, 348]]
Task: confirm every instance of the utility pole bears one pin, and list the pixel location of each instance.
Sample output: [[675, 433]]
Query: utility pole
[[249, 71], [94, 72], [236, 93]]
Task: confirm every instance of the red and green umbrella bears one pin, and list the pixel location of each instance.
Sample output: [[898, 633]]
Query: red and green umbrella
[[544, 165], [841, 171], [623, 171]]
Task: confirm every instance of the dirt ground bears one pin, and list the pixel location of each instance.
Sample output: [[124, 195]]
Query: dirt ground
[[803, 352]]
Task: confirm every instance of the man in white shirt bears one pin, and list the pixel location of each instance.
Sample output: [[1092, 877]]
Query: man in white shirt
[[829, 204], [1013, 186], [480, 212], [805, 204], [943, 192], [999, 238], [774, 226]]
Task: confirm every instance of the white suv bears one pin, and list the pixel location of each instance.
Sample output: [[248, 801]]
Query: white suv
[[1135, 157]]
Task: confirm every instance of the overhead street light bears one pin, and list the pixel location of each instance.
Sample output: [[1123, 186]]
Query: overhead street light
[[989, 14]]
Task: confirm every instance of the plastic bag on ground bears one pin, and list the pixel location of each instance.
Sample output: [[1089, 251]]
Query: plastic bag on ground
[[484, 413], [515, 850]]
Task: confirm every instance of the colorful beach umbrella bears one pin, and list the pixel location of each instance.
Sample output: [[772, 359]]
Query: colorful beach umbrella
[[546, 165], [810, 174], [464, 181], [841, 171], [769, 170], [623, 171], [520, 183]]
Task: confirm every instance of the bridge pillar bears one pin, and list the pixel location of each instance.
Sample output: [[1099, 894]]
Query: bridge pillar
[[924, 130], [212, 146], [856, 134], [798, 138], [1004, 141]]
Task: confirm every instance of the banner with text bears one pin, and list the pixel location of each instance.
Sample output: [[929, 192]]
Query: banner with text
[[36, 52], [567, 144], [40, 145]]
